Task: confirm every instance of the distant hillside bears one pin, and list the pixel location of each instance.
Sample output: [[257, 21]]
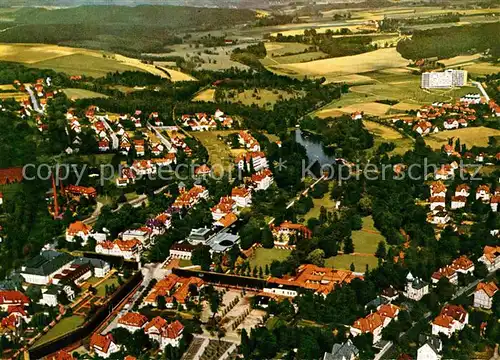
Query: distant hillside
[[195, 3], [124, 29]]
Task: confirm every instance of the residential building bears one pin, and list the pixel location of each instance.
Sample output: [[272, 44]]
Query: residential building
[[495, 199], [491, 257], [462, 265], [287, 230], [103, 345], [100, 267], [10, 298], [226, 220], [188, 199], [483, 296], [242, 196], [132, 321], [451, 319], [182, 250], [262, 180], [483, 193], [375, 322], [127, 249], [256, 160], [431, 348], [248, 141], [458, 202], [345, 351], [437, 202], [438, 189], [415, 288], [462, 190], [164, 333], [84, 232], [225, 206]]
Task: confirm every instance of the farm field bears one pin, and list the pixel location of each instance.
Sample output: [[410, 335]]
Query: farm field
[[62, 327], [275, 49], [263, 97], [207, 95], [264, 256], [82, 94], [457, 60], [175, 75], [356, 64], [470, 136], [482, 68], [296, 58]]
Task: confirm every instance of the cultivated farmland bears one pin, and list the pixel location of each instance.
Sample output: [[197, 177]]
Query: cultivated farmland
[[470, 136]]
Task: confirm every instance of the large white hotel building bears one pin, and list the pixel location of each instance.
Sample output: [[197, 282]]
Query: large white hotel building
[[444, 79]]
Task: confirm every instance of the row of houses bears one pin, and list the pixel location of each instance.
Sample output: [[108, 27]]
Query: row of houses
[[206, 122], [158, 330]]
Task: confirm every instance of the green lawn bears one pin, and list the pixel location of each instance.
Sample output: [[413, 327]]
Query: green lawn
[[344, 262], [184, 262], [325, 201], [64, 326], [266, 256], [366, 239], [101, 288]]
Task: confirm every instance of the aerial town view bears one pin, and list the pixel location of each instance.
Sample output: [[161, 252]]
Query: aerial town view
[[250, 179]]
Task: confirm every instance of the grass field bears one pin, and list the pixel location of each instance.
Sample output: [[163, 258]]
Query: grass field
[[482, 68], [101, 288], [82, 94], [344, 262], [207, 95], [176, 76], [356, 64], [62, 327], [266, 256], [457, 60], [387, 134], [263, 97], [218, 152], [365, 242], [275, 49], [470, 136]]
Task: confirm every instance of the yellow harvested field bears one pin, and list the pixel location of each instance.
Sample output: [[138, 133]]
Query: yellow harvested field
[[386, 132], [370, 108], [356, 64], [18, 96], [352, 79], [404, 106], [482, 68], [319, 30], [7, 87], [281, 48], [176, 76], [29, 53], [325, 113], [207, 95], [459, 59], [477, 136]]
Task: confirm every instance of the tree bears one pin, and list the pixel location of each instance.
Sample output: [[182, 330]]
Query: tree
[[160, 302], [381, 252], [266, 271], [316, 257], [348, 245], [480, 270], [245, 344], [267, 238], [261, 273], [352, 267], [201, 256], [254, 272], [62, 298]]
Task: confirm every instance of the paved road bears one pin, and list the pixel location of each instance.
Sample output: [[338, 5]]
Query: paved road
[[481, 89], [114, 138], [34, 100]]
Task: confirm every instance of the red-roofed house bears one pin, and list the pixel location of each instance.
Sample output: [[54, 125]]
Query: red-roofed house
[[452, 318], [132, 321], [491, 257], [483, 296], [242, 196], [61, 355], [128, 249], [103, 345], [12, 297], [262, 180]]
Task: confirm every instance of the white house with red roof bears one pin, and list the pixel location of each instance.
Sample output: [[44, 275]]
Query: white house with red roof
[[495, 199], [242, 196], [256, 159], [127, 249], [483, 193], [103, 345], [225, 206], [132, 321], [262, 180], [83, 231], [248, 141], [9, 298], [159, 330], [483, 296], [451, 319]]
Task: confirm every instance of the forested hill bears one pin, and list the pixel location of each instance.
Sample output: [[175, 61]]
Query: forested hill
[[173, 17], [452, 41]]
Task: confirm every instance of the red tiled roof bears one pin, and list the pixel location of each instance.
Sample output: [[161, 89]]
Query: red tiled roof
[[13, 297], [489, 288], [11, 175], [133, 319], [101, 342]]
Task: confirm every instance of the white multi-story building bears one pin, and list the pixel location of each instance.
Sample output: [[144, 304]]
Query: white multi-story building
[[483, 296], [451, 319], [415, 288], [444, 79]]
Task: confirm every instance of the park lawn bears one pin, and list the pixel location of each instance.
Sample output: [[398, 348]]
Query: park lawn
[[325, 201], [263, 257], [83, 64], [274, 322], [185, 262], [101, 288], [344, 262], [366, 239], [218, 151], [82, 94], [64, 326]]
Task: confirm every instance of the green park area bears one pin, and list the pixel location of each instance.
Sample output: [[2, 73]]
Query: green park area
[[64, 326]]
